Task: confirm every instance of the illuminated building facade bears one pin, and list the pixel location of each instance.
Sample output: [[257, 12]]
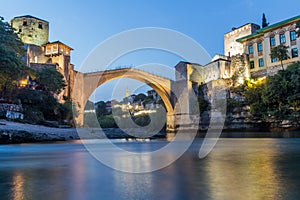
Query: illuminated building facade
[[257, 45], [41, 53]]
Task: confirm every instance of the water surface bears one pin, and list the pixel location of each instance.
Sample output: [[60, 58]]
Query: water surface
[[235, 169]]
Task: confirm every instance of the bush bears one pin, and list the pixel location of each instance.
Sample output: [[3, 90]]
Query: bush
[[142, 120], [233, 104], [107, 121]]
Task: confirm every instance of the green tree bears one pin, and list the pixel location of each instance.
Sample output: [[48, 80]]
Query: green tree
[[12, 54], [101, 108], [38, 105], [282, 91], [264, 21], [140, 97], [253, 97], [281, 53], [10, 40], [50, 80], [65, 111]]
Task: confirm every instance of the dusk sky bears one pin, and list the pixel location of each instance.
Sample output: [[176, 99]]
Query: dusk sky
[[84, 24]]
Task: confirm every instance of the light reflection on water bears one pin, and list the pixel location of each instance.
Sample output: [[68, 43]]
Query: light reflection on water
[[251, 172], [235, 169]]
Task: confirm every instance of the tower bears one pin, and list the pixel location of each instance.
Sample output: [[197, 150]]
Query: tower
[[31, 30], [127, 92], [231, 46]]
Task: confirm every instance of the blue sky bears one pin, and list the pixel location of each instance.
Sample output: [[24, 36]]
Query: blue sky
[[84, 24]]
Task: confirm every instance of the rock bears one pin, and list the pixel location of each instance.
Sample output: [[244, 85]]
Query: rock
[[286, 122]]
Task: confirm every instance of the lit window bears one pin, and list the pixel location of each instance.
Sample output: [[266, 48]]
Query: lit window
[[282, 38], [272, 42], [24, 22], [55, 48], [273, 59], [252, 65], [48, 49], [261, 62], [259, 47], [250, 49], [40, 26], [293, 35], [294, 52]]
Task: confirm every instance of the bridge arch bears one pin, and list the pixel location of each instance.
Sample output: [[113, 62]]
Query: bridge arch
[[86, 83]]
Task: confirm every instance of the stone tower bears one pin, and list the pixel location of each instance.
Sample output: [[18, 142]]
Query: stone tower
[[31, 30], [231, 46]]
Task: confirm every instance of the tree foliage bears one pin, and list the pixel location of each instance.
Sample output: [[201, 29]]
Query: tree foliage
[[280, 52], [254, 97], [50, 80], [278, 96], [38, 105], [283, 90], [12, 54], [101, 108], [10, 40]]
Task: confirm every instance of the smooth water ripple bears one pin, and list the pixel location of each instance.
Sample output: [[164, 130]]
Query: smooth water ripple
[[235, 169]]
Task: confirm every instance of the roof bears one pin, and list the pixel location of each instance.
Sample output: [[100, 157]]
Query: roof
[[58, 42], [268, 28], [29, 16]]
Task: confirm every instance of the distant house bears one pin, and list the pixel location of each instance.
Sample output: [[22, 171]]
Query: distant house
[[14, 115], [110, 104], [11, 111]]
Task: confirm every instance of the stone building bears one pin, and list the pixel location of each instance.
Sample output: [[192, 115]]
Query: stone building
[[231, 46], [247, 52], [218, 68], [41, 53], [258, 46], [31, 30]]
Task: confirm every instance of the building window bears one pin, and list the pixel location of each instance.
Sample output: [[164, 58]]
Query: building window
[[250, 49], [259, 47], [294, 52], [252, 65], [20, 30], [40, 25], [272, 42], [261, 62], [282, 38], [48, 49], [293, 35], [24, 22], [273, 59]]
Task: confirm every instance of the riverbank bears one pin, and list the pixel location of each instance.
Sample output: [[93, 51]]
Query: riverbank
[[13, 132]]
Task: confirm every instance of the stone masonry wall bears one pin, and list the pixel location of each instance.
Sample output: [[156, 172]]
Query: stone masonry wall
[[31, 30]]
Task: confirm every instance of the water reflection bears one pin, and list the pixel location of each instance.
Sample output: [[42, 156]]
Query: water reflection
[[235, 169], [18, 186], [243, 171]]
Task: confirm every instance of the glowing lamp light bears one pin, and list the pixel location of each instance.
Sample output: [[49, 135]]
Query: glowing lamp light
[[241, 80], [23, 83]]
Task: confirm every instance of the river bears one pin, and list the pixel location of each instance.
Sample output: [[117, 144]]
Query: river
[[235, 169]]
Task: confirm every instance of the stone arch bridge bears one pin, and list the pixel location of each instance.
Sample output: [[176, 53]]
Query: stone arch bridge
[[179, 110]]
